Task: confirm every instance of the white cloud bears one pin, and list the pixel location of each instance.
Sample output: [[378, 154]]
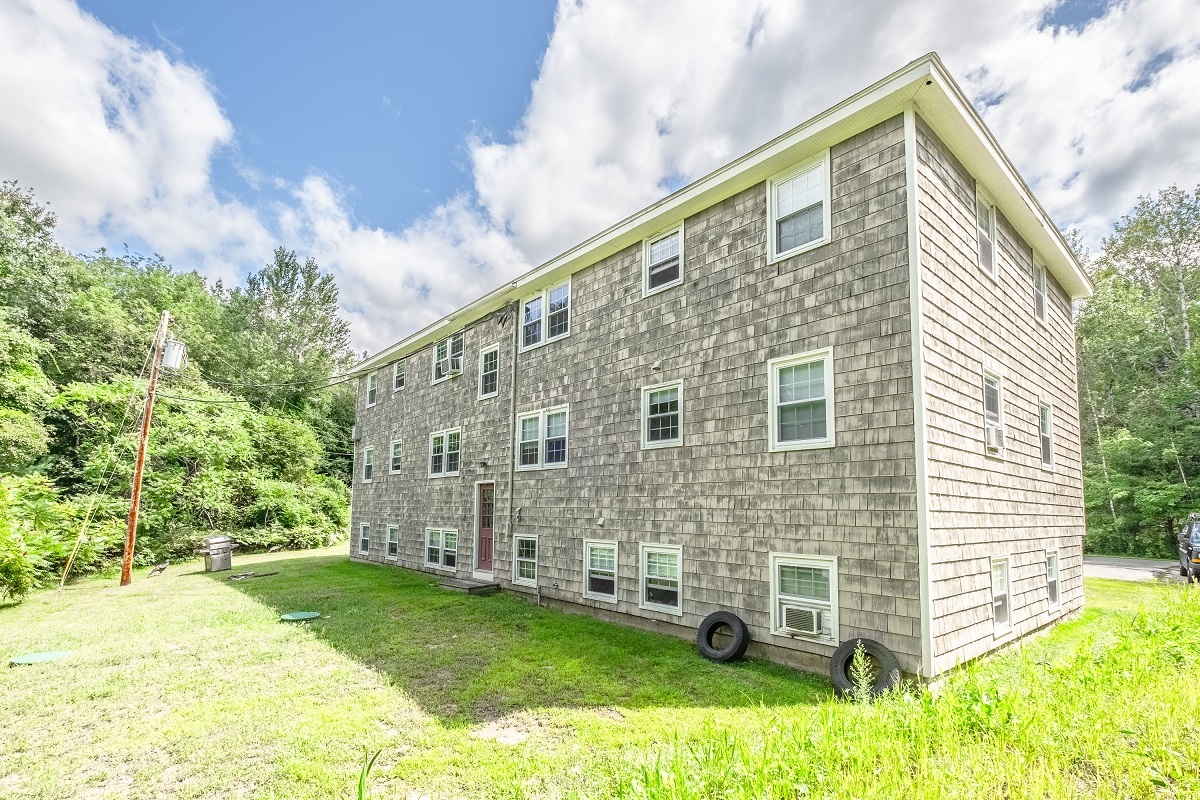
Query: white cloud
[[631, 98]]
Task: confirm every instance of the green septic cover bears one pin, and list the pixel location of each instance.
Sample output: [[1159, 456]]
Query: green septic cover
[[299, 616], [37, 658]]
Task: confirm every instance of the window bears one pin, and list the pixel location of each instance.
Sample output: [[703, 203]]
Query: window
[[447, 357], [660, 568], [368, 464], [663, 257], [443, 452], [993, 413], [364, 538], [489, 372], [804, 596], [801, 403], [546, 316], [1052, 577], [525, 557], [600, 570], [372, 389], [662, 415], [1039, 293], [1046, 429], [985, 219], [542, 439], [397, 457], [398, 376], [393, 541], [441, 548], [798, 204], [1000, 611]]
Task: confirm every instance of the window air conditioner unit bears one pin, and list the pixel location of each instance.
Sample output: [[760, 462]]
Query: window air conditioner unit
[[802, 619], [450, 366], [994, 438]]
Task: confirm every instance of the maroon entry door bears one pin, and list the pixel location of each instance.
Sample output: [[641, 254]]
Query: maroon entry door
[[486, 505]]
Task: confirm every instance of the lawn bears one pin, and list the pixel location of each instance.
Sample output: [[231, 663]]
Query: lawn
[[187, 686]]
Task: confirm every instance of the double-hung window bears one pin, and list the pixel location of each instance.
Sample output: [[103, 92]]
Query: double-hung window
[[993, 413], [1039, 293], [368, 464], [1000, 605], [600, 570], [397, 457], [985, 222], [661, 567], [372, 389], [662, 415], [393, 542], [489, 371], [804, 596], [1046, 433], [441, 548], [398, 375], [447, 357], [542, 439], [525, 560], [546, 316], [364, 538], [1052, 577], [444, 452], [800, 408], [663, 257], [799, 208]]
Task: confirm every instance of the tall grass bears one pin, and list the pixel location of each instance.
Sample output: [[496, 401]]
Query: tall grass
[[1102, 717]]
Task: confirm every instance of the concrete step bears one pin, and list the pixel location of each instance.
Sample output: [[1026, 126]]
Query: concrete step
[[469, 585]]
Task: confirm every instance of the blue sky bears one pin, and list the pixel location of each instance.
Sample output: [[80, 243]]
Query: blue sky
[[426, 153]]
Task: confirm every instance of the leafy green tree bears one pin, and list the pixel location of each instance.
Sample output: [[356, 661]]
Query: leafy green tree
[[25, 395]]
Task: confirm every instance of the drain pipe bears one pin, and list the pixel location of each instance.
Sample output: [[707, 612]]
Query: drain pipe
[[512, 417]]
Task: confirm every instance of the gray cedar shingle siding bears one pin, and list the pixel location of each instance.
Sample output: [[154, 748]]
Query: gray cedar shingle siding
[[980, 507]]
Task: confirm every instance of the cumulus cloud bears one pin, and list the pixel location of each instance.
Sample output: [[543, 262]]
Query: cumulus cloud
[[632, 100]]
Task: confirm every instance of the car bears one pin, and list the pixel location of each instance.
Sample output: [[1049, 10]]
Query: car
[[1189, 548]]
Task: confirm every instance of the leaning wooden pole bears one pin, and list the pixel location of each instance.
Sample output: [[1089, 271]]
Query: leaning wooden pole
[[131, 528]]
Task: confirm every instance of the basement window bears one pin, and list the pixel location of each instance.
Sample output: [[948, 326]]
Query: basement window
[[441, 548], [393, 542], [546, 316], [1000, 595], [662, 415], [525, 560], [600, 570], [364, 538], [663, 257], [444, 453], [804, 596], [660, 570]]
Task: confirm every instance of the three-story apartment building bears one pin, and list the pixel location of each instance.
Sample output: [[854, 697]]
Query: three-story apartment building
[[829, 387]]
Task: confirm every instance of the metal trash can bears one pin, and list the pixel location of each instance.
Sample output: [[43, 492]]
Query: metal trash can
[[217, 552]]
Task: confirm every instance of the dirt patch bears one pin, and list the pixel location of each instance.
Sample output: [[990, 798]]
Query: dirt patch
[[513, 729]]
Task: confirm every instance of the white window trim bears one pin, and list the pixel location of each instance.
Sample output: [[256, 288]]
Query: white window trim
[[1049, 406], [545, 295], [392, 455], [1000, 631], [374, 376], [981, 194], [441, 549], [537, 549], [541, 415], [388, 545], [493, 348], [368, 455], [646, 290], [1040, 268], [433, 379], [396, 368], [364, 528], [772, 254], [616, 548], [646, 390], [1053, 605], [645, 548], [445, 450], [773, 366], [805, 560], [998, 376]]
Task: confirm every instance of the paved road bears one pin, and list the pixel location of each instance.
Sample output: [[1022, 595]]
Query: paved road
[[1130, 569]]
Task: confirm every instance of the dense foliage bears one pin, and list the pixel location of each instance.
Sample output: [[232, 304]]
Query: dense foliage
[[1139, 378], [250, 439]]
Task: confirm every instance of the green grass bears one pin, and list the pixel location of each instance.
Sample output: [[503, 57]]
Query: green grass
[[187, 686]]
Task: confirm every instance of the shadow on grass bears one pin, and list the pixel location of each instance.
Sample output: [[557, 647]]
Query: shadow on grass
[[469, 659]]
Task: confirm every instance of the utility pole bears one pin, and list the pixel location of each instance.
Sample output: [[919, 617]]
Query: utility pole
[[131, 530]]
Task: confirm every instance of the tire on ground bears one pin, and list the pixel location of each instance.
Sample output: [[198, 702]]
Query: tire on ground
[[738, 632], [887, 673]]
